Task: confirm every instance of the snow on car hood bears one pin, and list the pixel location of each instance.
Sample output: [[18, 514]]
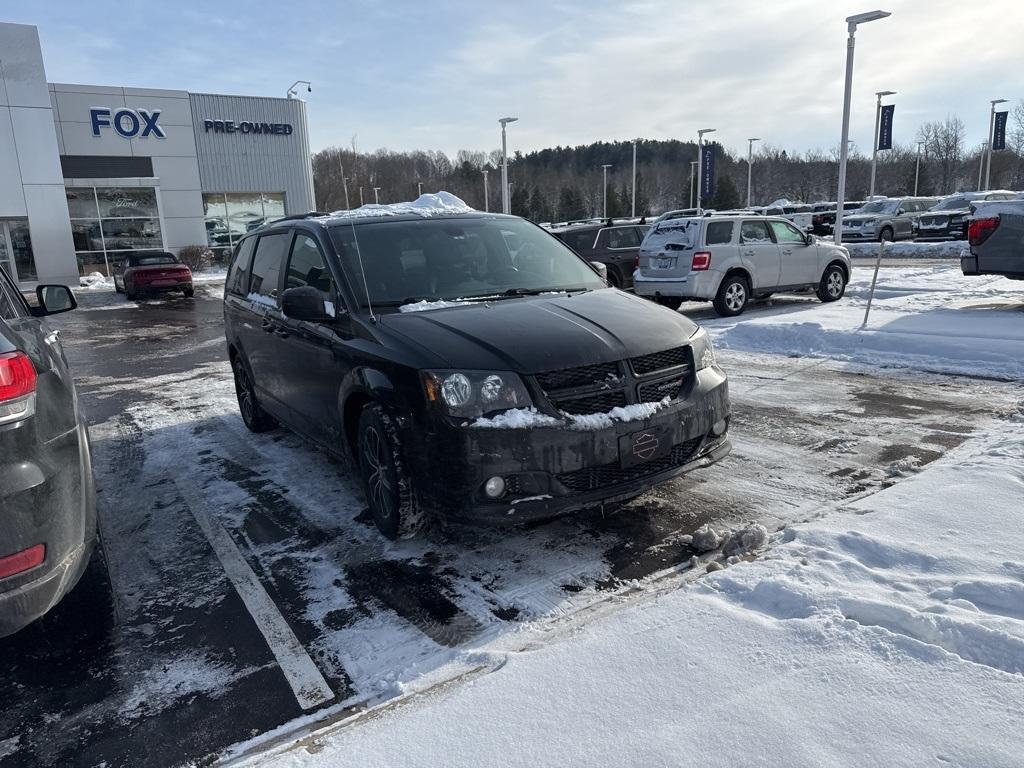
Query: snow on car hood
[[427, 205]]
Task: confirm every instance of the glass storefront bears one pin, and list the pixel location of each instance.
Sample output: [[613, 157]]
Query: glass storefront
[[230, 215], [105, 220], [16, 250]]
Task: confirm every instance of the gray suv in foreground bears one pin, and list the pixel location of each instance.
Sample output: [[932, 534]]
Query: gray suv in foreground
[[731, 259]]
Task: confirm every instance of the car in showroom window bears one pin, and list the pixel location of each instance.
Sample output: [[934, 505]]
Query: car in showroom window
[[418, 340]]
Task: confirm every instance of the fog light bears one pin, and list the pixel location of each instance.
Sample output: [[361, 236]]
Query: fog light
[[720, 427], [495, 487]]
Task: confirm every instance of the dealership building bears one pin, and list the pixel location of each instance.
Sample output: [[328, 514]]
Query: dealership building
[[90, 172]]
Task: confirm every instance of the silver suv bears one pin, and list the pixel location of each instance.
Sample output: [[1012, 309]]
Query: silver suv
[[731, 259], [891, 219]]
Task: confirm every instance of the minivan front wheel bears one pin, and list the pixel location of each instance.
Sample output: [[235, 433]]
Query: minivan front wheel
[[389, 489], [255, 418], [733, 295], [833, 284]]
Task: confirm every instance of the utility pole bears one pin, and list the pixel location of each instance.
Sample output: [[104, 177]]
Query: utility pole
[[487, 202], [874, 147], [991, 140], [917, 169], [604, 213], [506, 194], [700, 164], [376, 199], [633, 211], [750, 162]]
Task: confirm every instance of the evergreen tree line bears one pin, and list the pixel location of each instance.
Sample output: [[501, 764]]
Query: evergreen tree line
[[565, 183]]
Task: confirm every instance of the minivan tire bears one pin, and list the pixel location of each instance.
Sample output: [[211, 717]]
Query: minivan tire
[[733, 296], [833, 284], [672, 302], [255, 418], [390, 492]]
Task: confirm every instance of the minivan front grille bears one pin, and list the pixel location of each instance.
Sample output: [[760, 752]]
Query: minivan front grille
[[660, 361], [596, 402], [611, 475], [654, 391], [586, 375]]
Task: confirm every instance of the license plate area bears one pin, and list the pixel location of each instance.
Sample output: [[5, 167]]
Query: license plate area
[[644, 445], [664, 262]]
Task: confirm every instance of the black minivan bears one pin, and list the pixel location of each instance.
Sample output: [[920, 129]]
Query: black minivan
[[47, 495], [470, 364]]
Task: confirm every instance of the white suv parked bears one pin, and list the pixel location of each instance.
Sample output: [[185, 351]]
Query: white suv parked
[[731, 259]]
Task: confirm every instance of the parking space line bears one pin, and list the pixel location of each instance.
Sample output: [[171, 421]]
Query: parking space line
[[307, 683]]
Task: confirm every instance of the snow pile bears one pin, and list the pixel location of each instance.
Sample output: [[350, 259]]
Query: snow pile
[[929, 319], [748, 539], [949, 249], [889, 633], [95, 281], [427, 304], [427, 205], [530, 418]]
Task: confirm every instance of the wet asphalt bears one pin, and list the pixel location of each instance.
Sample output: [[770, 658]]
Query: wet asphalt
[[154, 659]]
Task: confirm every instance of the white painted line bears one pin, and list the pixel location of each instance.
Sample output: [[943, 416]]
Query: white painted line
[[309, 686]]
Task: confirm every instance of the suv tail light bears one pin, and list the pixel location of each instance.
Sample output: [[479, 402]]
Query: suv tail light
[[17, 387], [979, 230], [701, 261]]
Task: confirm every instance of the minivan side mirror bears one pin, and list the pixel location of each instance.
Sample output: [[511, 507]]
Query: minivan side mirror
[[53, 299], [602, 269], [305, 303]]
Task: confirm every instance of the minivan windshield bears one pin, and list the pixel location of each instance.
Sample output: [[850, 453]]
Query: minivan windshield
[[880, 206], [447, 259]]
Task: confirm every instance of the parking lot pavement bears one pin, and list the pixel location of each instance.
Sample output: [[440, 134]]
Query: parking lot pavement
[[245, 585]]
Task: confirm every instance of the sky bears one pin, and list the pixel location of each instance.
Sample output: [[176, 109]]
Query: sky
[[414, 75]]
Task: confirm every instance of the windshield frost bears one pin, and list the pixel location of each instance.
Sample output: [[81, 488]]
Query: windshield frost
[[449, 259]]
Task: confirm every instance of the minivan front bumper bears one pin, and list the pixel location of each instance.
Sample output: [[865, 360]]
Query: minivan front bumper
[[552, 470]]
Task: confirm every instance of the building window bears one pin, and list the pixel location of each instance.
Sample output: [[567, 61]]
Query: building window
[[16, 250], [106, 220], [230, 215]]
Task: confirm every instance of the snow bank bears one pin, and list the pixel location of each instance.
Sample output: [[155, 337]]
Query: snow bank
[[530, 418], [929, 319], [950, 249], [439, 204], [95, 281], [890, 633]]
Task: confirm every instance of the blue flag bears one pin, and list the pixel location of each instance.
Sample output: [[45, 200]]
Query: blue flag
[[885, 127], [999, 132], [707, 172]]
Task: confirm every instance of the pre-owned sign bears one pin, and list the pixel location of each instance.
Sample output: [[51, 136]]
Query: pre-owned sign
[[247, 126]]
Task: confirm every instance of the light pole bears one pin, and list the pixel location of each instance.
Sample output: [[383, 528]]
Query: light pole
[[693, 179], [750, 162], [376, 199], [981, 162], [700, 164], [917, 169], [291, 93], [344, 184], [604, 212], [991, 139], [633, 209], [874, 147], [487, 202], [851, 26], [506, 202], [361, 203], [419, 189]]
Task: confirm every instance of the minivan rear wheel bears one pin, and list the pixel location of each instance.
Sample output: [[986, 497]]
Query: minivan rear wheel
[[733, 295], [390, 493], [255, 418]]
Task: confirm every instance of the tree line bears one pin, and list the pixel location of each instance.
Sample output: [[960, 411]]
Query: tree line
[[565, 183]]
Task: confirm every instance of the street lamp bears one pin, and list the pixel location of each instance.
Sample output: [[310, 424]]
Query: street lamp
[[917, 169], [700, 163], [487, 202], [750, 161], [344, 184], [981, 162], [633, 209], [991, 139], [604, 168], [361, 203], [506, 203], [874, 148], [693, 178], [291, 93], [376, 198], [851, 26]]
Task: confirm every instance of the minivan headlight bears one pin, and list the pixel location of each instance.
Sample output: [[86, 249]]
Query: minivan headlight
[[470, 394], [703, 352]]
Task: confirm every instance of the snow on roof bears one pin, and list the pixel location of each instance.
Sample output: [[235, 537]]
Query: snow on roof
[[427, 205]]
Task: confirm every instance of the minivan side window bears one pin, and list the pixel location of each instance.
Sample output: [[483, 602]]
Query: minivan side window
[[266, 264], [306, 266], [719, 233], [238, 276], [755, 232], [786, 233]]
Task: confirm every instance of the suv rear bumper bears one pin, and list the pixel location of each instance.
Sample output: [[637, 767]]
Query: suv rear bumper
[[552, 470], [695, 285]]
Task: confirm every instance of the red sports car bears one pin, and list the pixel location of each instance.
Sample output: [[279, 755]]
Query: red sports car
[[151, 271]]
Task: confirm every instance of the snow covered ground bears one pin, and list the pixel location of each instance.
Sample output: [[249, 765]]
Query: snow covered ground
[[923, 318], [948, 249], [890, 632], [886, 629]]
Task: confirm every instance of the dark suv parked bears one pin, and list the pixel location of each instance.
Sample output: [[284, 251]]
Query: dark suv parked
[[47, 497], [948, 219], [466, 376], [614, 244]]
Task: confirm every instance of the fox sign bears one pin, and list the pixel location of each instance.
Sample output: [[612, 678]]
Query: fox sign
[[129, 123]]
